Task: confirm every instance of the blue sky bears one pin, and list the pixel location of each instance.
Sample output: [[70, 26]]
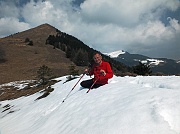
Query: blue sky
[[148, 27]]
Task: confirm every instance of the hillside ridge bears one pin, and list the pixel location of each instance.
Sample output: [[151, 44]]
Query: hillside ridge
[[21, 61]]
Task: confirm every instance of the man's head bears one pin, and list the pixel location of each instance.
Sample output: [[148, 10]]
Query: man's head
[[97, 58]]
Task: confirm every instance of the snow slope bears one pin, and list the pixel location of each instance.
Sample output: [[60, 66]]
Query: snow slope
[[127, 105]]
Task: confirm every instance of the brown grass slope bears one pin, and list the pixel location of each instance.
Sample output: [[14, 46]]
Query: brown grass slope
[[23, 61]]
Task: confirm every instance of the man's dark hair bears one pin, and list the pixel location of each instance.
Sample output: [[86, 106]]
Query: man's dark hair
[[96, 53]]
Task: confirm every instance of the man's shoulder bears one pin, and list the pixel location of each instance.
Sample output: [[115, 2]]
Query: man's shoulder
[[105, 63]]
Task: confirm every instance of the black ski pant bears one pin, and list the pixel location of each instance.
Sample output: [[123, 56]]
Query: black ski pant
[[88, 84]]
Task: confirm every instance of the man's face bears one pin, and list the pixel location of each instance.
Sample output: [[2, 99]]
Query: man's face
[[97, 58]]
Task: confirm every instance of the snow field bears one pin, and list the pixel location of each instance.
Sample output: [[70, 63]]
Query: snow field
[[127, 105]]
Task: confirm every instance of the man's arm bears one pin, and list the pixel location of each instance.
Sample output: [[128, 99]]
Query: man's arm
[[108, 73]]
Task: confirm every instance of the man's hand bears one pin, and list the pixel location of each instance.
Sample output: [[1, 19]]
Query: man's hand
[[86, 71], [102, 72]]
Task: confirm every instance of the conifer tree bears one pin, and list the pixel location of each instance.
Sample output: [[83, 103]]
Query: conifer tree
[[27, 40], [81, 58], [68, 52], [44, 74], [142, 69], [72, 70]]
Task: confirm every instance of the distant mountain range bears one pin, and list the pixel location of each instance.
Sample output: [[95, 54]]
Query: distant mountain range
[[158, 65]]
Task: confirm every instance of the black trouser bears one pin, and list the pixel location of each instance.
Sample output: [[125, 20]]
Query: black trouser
[[88, 84]]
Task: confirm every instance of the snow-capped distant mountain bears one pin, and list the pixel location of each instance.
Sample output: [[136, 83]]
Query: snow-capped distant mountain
[[163, 65], [115, 54]]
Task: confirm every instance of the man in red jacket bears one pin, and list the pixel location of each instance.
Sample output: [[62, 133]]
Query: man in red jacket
[[101, 70]]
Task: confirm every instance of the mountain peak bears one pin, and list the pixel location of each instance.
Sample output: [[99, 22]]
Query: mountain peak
[[21, 61]]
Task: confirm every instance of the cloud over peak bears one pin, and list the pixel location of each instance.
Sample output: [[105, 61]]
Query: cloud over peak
[[107, 26]]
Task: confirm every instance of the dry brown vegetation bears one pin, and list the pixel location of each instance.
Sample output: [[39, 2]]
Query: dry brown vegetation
[[22, 61]]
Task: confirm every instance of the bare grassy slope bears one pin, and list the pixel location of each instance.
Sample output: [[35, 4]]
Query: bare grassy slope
[[23, 61]]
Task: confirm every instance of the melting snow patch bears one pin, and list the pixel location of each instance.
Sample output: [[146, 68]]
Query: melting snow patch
[[17, 84]]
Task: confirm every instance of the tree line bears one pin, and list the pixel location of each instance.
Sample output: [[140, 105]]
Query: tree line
[[75, 50]]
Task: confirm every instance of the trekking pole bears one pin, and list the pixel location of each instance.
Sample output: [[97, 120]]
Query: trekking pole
[[73, 87], [92, 85]]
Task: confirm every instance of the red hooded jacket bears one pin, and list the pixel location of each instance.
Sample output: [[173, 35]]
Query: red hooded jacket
[[97, 75]]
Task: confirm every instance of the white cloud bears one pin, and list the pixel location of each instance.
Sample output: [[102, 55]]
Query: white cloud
[[9, 9], [11, 25], [45, 12], [125, 12], [156, 39]]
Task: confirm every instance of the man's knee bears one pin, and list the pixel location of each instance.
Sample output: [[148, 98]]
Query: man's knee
[[86, 83], [82, 83]]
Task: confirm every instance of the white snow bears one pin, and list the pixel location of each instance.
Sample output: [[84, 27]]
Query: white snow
[[17, 84], [127, 105], [155, 61], [151, 61], [115, 54]]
